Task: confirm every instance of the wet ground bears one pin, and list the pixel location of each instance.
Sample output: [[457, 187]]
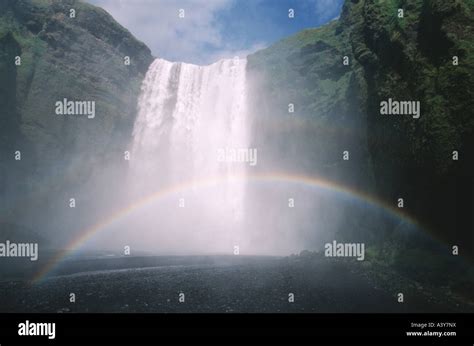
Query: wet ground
[[217, 284]]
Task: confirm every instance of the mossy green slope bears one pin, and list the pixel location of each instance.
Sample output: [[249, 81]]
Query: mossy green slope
[[411, 58], [338, 107], [307, 71], [80, 58]]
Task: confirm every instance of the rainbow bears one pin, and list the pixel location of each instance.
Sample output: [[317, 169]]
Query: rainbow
[[307, 181]]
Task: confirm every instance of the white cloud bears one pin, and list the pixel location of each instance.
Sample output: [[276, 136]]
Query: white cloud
[[189, 39], [328, 9], [226, 53]]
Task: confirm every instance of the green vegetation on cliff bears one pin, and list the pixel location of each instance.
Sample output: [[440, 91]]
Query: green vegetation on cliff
[[307, 70], [337, 107], [411, 58]]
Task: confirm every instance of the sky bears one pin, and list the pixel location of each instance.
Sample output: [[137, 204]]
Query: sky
[[215, 29]]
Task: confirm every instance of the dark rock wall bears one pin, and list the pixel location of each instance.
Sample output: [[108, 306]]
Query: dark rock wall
[[338, 106]]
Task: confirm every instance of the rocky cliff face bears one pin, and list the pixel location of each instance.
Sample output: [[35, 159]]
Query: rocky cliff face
[[307, 72], [338, 107], [427, 56], [72, 50]]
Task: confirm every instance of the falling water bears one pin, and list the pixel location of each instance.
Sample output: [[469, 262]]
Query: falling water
[[187, 114]]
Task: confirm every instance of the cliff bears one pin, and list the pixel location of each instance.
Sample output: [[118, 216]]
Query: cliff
[[80, 58], [337, 107]]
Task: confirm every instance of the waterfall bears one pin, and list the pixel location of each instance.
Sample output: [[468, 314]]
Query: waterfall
[[187, 114]]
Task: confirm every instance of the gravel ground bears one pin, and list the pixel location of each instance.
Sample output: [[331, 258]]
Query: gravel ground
[[252, 285]]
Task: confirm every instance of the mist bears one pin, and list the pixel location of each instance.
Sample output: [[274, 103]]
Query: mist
[[208, 170]]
